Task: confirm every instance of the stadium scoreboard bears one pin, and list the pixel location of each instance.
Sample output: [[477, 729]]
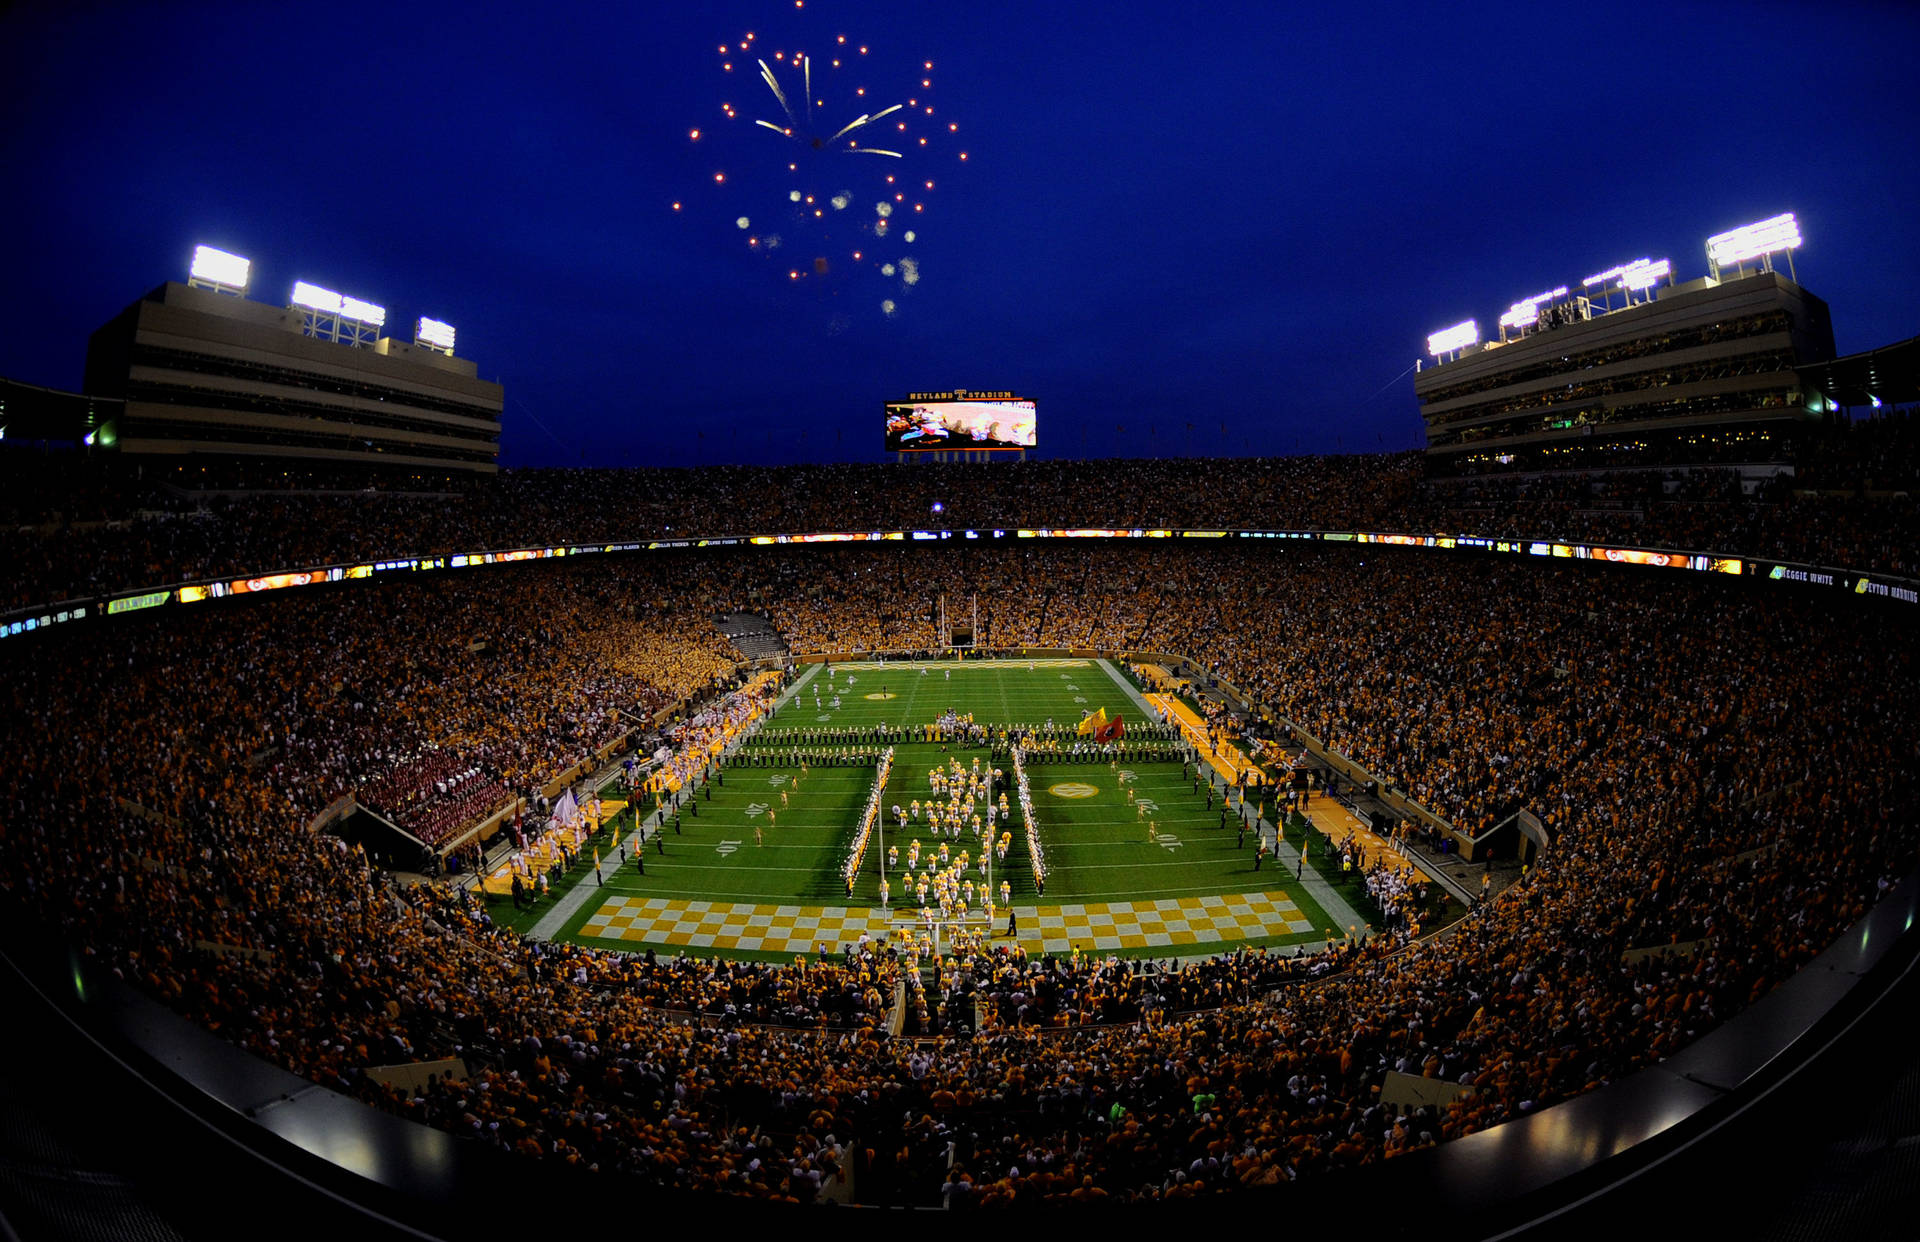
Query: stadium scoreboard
[[960, 420]]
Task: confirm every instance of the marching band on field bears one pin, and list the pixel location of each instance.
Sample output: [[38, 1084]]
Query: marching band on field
[[958, 802]]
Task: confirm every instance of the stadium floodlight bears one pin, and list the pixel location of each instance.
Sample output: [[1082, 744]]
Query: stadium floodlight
[[332, 317], [1642, 274], [1526, 313], [433, 334], [219, 269], [1521, 315], [1601, 278], [1459, 336], [314, 298], [363, 312], [1753, 241]]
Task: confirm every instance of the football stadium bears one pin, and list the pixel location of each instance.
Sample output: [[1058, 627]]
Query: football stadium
[[1508, 836]]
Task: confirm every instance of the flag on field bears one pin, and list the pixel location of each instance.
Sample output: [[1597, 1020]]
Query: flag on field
[[1093, 722], [1112, 731], [566, 810]]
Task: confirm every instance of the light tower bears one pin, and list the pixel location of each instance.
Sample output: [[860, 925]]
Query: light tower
[[1447, 343], [219, 271], [331, 316], [1756, 243]]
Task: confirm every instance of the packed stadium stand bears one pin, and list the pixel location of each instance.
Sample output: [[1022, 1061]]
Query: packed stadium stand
[[1723, 767], [107, 525]]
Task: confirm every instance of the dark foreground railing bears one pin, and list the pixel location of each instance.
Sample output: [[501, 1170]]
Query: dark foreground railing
[[231, 1146]]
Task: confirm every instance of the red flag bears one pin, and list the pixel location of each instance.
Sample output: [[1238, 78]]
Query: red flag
[[1111, 731]]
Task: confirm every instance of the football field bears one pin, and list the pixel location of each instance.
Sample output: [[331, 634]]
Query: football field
[[1143, 857], [1029, 692]]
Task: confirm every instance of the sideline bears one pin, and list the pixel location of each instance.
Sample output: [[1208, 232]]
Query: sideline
[[581, 893], [1285, 856]]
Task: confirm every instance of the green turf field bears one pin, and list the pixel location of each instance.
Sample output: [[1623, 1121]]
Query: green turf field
[[747, 847], [1164, 843], [993, 691]]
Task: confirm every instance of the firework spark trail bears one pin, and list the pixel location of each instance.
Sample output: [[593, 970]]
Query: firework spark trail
[[774, 84], [863, 119], [806, 71], [855, 123]]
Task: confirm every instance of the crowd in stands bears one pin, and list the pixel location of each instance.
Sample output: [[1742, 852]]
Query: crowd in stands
[[465, 804], [432, 797], [437, 703], [1821, 515], [84, 527], [1691, 753], [411, 781], [701, 736]]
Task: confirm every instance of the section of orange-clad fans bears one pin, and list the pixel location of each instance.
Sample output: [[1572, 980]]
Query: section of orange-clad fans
[[1674, 736]]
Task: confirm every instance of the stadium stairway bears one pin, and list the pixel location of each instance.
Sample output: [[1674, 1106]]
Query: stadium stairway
[[753, 634]]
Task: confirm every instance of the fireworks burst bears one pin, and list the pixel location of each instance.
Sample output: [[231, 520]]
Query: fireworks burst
[[797, 141]]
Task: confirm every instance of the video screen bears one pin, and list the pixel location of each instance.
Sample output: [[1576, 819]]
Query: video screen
[[916, 426]]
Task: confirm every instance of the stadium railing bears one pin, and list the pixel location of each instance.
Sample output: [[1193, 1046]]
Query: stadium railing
[[244, 1142]]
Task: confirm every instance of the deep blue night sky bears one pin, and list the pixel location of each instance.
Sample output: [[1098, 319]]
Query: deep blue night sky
[[1170, 214]]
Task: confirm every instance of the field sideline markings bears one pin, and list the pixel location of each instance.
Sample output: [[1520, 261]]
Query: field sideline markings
[[551, 923], [1286, 856], [1155, 779]]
